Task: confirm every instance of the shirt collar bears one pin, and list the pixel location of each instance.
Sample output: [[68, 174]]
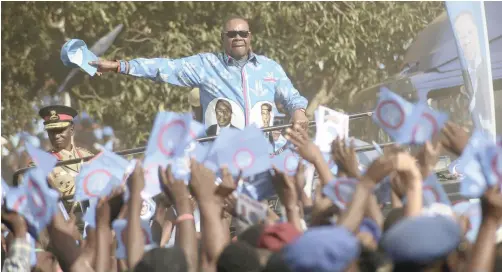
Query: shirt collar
[[229, 60]]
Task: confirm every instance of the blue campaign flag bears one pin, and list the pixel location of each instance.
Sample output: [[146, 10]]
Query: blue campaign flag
[[75, 54], [43, 160], [197, 130], [221, 142], [199, 151], [473, 182], [106, 167], [473, 212], [34, 200], [247, 153], [490, 159], [423, 124], [258, 187], [180, 168], [90, 214], [286, 162], [391, 112], [433, 192], [16, 199], [119, 226], [340, 191], [151, 166], [169, 135]]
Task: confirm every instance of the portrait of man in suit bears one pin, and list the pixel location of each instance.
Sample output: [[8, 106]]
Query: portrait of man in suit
[[223, 111], [475, 77], [266, 110]]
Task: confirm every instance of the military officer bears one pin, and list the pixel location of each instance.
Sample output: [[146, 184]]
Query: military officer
[[58, 122]]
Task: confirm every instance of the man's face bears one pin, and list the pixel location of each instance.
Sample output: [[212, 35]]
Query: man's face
[[265, 115], [236, 38], [223, 114], [468, 36], [60, 137]]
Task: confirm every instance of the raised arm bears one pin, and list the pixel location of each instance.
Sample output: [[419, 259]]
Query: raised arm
[[185, 72]]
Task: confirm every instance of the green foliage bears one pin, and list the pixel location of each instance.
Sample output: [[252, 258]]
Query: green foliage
[[329, 49]]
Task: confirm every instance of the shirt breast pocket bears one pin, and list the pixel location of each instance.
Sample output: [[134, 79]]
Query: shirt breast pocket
[[263, 88]]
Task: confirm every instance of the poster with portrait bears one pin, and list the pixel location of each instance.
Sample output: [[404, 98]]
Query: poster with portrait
[[468, 21], [262, 114], [221, 113]]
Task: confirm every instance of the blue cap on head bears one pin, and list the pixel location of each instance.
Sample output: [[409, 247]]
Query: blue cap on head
[[107, 131], [421, 239], [75, 54], [327, 248]]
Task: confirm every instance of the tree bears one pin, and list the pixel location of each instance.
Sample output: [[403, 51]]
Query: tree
[[329, 49]]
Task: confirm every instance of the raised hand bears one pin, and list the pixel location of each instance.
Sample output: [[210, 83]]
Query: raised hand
[[428, 157], [455, 138], [136, 182], [15, 223], [202, 182], [345, 157], [174, 189], [491, 204], [103, 212], [285, 188], [380, 168], [304, 146], [116, 203], [407, 168], [300, 179], [105, 65], [228, 185]]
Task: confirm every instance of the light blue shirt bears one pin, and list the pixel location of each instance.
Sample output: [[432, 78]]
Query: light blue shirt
[[260, 80]]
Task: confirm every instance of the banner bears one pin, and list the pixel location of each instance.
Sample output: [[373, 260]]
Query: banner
[[468, 21]]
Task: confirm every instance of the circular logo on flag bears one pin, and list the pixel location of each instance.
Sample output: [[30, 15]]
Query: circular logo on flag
[[92, 187], [169, 135], [243, 158], [344, 189], [430, 195], [290, 163], [151, 171], [20, 201], [421, 130], [37, 196], [390, 114]]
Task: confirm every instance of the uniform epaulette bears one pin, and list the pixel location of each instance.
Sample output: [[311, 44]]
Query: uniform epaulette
[[84, 150]]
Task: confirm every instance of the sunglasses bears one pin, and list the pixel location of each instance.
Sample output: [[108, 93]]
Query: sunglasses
[[233, 34]]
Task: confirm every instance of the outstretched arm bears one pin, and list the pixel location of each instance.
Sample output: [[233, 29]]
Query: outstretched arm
[[184, 72]]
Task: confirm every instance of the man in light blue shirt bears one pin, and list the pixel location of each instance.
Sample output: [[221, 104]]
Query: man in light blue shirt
[[237, 75]]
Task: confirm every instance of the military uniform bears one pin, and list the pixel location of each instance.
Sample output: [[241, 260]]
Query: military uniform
[[62, 178]]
